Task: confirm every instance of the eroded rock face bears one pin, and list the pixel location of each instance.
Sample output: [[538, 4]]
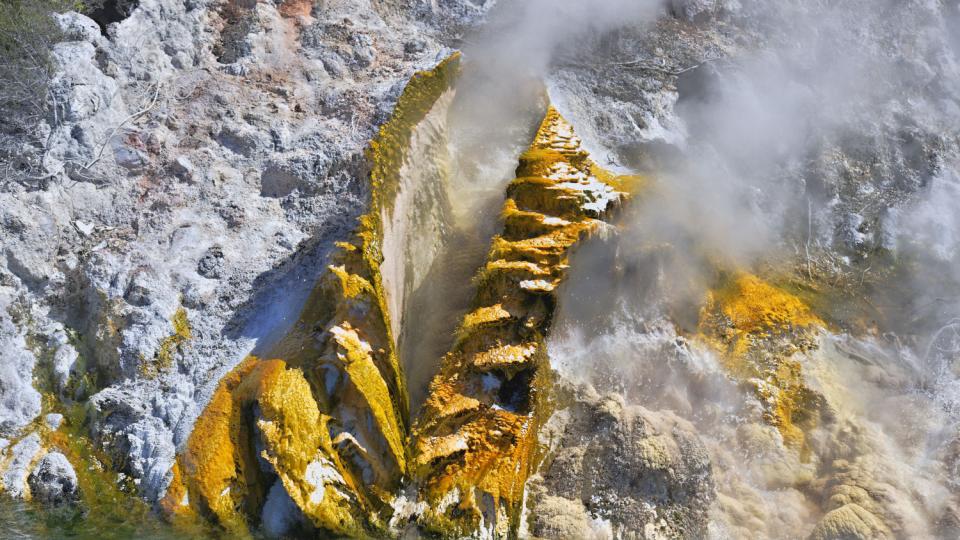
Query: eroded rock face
[[182, 191], [17, 461], [202, 157], [613, 467], [323, 429], [19, 401]]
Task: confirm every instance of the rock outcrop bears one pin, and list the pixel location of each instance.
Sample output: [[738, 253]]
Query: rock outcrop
[[53, 480], [758, 329], [475, 442], [326, 421], [199, 163], [217, 228], [618, 469]]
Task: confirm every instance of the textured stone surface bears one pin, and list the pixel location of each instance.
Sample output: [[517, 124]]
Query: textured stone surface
[[198, 161], [646, 474], [475, 442], [202, 189], [330, 419], [19, 401], [53, 480], [18, 459]]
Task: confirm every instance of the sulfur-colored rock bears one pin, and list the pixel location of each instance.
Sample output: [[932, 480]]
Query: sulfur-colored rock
[[323, 424], [476, 440], [757, 328]]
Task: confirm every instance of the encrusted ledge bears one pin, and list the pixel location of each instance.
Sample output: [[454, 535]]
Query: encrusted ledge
[[757, 328], [476, 441]]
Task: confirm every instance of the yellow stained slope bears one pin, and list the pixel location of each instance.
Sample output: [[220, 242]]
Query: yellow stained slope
[[219, 472], [332, 415], [758, 328]]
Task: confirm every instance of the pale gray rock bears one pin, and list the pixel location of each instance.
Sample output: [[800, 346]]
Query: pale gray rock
[[152, 453], [64, 359], [21, 456], [270, 180], [65, 355], [183, 168], [701, 10], [53, 420], [646, 473], [80, 89], [19, 401], [77, 27], [53, 480]]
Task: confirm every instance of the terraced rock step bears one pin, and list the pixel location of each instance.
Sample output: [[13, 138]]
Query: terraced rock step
[[475, 443], [321, 427]]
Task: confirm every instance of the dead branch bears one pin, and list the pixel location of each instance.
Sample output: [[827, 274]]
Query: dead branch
[[117, 128]]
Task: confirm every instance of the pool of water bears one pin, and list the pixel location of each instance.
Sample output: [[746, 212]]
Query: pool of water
[[24, 520]]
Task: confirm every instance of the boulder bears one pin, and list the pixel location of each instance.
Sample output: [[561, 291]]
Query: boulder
[[53, 480]]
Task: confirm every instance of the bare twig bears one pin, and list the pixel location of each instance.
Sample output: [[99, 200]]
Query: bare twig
[[114, 131]]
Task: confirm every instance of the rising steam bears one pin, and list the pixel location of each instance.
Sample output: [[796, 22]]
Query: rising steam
[[809, 148]]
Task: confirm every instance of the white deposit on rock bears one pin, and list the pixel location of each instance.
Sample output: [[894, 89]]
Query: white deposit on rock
[[171, 209], [199, 168], [19, 401], [18, 459]]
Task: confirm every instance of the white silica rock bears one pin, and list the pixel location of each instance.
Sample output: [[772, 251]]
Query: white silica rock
[[19, 401], [77, 27], [18, 459]]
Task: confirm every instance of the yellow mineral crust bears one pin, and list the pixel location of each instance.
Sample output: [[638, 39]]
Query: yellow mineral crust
[[218, 465], [222, 476], [164, 356], [331, 415], [505, 357], [757, 328], [297, 444], [475, 443], [359, 365]]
